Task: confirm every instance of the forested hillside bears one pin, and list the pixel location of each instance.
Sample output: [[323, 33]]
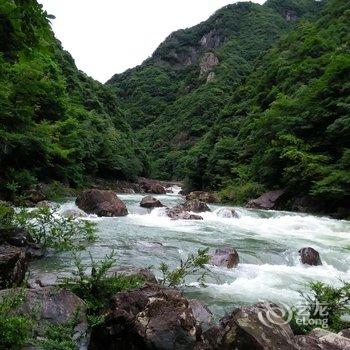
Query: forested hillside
[[174, 97], [254, 99], [55, 122]]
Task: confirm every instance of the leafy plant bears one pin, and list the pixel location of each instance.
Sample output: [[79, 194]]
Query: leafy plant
[[14, 329], [92, 283], [49, 229], [324, 303], [193, 264]]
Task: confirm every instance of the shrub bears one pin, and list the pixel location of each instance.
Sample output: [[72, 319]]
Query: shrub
[[326, 303], [241, 193], [96, 287], [193, 264], [47, 228], [14, 329]]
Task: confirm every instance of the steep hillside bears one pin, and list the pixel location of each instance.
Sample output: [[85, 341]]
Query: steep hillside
[[174, 97], [55, 122], [288, 126]]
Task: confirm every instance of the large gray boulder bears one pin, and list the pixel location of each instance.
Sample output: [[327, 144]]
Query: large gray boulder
[[150, 317], [101, 203], [178, 213], [322, 339]]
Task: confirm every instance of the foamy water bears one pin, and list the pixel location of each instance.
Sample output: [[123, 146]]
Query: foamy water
[[267, 242]]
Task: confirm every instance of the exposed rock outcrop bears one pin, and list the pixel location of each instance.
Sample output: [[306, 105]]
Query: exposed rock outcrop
[[310, 256], [56, 306], [268, 200], [200, 312], [151, 186], [101, 203], [150, 202], [150, 317], [246, 329], [207, 64], [226, 257], [321, 339], [13, 265]]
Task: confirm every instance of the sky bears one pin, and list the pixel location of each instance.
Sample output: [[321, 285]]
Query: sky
[[106, 37]]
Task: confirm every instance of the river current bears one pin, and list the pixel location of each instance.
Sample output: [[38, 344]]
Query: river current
[[267, 243]]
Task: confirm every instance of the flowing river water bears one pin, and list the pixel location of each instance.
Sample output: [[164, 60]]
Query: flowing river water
[[267, 243]]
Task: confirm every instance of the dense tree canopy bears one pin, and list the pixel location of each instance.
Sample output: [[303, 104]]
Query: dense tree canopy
[[55, 122]]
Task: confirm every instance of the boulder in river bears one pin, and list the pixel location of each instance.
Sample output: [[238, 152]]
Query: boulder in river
[[310, 256], [227, 213], [207, 197], [247, 328], [13, 265], [150, 317], [226, 257], [194, 205], [177, 213], [73, 214], [150, 202], [268, 200], [101, 203]]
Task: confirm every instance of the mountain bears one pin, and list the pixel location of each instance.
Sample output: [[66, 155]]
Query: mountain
[[254, 99], [175, 96], [56, 123]]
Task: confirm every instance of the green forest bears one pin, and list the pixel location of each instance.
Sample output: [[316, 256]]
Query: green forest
[[256, 98]]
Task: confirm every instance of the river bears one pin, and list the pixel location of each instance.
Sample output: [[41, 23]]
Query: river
[[267, 243]]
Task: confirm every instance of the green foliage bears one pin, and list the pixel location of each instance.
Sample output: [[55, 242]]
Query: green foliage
[[93, 284], [47, 228], [192, 265], [241, 193], [58, 336], [327, 303], [171, 105], [55, 122], [14, 329]]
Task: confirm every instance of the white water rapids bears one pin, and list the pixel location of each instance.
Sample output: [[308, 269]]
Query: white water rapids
[[267, 243]]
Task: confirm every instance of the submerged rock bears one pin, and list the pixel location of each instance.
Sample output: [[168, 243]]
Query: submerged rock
[[310, 256], [101, 203], [268, 200], [73, 214], [13, 265], [226, 257], [227, 213], [150, 202], [151, 317]]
